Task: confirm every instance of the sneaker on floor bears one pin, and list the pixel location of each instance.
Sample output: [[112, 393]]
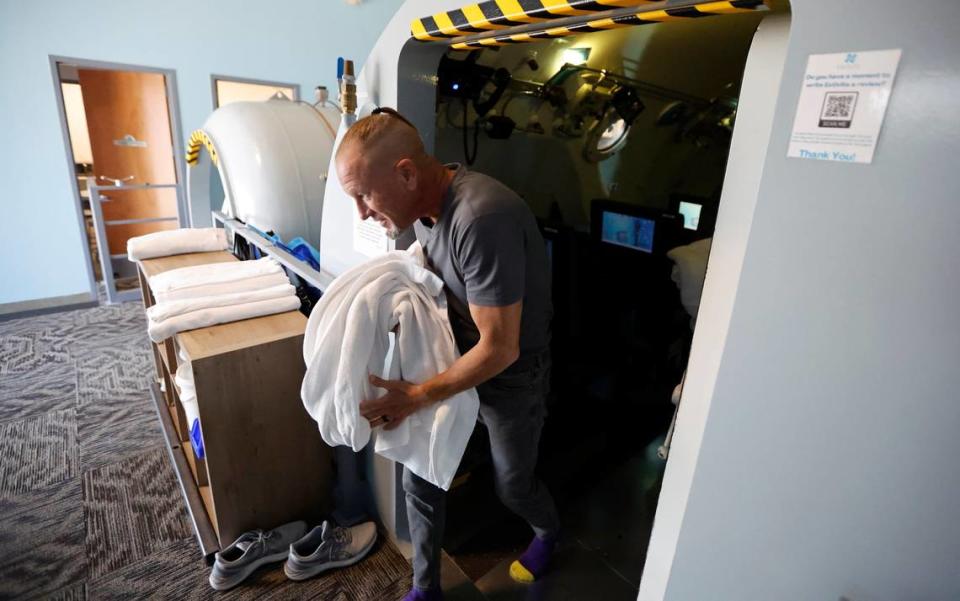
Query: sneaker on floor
[[329, 546], [253, 549]]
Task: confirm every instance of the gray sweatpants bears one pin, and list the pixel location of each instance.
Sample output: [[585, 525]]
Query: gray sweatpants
[[512, 406]]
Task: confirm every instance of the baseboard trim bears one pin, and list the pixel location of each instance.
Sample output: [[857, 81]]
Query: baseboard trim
[[41, 306]]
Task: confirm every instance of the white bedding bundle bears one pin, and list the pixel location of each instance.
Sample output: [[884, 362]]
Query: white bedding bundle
[[204, 295], [176, 242], [347, 339]]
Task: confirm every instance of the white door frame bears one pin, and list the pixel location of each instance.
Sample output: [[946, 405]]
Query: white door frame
[[176, 134]]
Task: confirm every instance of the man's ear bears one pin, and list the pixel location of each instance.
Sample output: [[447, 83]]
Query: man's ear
[[407, 170]]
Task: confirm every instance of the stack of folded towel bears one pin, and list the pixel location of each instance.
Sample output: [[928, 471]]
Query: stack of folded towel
[[204, 295], [176, 242]]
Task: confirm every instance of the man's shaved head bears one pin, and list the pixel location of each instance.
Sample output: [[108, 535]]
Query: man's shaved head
[[383, 138], [383, 166]]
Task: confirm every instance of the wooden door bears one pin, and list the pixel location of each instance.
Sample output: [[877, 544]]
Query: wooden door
[[130, 135]]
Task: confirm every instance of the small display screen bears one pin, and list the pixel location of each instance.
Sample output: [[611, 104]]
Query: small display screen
[[629, 231], [691, 214]]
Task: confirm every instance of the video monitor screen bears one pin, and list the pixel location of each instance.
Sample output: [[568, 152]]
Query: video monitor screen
[[629, 231], [691, 214]]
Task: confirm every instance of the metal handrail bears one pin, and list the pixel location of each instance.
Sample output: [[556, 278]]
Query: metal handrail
[[100, 225], [319, 279]]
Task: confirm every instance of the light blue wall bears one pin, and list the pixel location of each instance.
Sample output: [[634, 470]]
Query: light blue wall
[[291, 40]]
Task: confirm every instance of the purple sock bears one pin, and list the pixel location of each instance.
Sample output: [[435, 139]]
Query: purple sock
[[416, 594], [537, 555]]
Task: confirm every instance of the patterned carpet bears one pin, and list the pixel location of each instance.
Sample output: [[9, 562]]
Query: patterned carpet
[[89, 505]]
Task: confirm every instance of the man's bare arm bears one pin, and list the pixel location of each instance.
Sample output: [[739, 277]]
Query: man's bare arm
[[498, 347]]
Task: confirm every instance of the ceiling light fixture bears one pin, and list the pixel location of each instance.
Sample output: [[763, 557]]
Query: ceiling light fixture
[[576, 56]]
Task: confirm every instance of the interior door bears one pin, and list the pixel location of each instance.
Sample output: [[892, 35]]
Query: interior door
[[130, 139]]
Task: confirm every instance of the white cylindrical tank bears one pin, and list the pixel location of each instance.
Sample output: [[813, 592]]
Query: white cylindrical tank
[[272, 158]]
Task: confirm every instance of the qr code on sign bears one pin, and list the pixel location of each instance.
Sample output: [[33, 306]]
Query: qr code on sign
[[838, 109]]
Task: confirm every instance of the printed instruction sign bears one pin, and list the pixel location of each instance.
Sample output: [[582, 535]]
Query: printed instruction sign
[[369, 238], [842, 103]]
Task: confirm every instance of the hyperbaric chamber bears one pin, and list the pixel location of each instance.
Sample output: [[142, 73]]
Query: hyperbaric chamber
[[272, 159]]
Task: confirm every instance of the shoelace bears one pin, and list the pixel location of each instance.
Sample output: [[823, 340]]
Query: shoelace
[[340, 538], [257, 537], [263, 537]]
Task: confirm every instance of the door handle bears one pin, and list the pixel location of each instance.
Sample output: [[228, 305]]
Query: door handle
[[116, 181]]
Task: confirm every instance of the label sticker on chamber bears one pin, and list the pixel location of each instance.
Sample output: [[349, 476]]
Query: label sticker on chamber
[[842, 104], [369, 238]]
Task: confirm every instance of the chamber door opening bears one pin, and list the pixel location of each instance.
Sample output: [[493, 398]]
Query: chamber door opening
[[620, 154]]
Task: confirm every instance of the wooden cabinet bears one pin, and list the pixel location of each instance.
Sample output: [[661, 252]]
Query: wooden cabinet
[[265, 463]]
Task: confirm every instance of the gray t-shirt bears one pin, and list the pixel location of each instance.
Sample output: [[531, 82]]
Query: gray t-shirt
[[488, 250]]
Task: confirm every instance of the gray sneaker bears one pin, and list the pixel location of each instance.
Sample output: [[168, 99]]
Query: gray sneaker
[[250, 551], [329, 546]]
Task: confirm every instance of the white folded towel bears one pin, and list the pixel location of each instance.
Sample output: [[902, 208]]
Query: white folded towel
[[212, 273], [176, 242], [204, 290], [186, 388], [188, 400], [159, 331], [347, 339], [166, 310]]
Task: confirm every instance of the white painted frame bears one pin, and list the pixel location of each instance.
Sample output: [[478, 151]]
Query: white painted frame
[[215, 96], [176, 134], [738, 200]]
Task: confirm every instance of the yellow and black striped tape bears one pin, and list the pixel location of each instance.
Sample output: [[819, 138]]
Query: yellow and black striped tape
[[199, 139], [501, 14], [504, 14]]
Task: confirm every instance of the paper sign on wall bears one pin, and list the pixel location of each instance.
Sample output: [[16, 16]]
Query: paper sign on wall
[[369, 238], [842, 103]]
